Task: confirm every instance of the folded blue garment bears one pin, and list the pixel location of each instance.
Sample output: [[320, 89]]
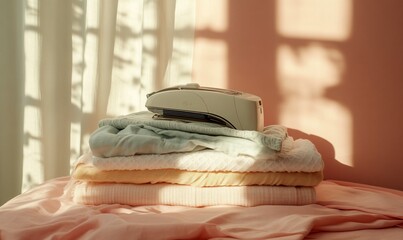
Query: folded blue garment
[[139, 133]]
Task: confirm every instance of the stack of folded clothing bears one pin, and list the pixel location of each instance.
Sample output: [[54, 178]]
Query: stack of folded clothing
[[138, 160]]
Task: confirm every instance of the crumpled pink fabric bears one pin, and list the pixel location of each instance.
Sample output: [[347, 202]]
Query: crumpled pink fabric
[[344, 210]]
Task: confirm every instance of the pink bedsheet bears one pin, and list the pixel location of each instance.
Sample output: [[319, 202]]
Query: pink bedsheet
[[344, 211]]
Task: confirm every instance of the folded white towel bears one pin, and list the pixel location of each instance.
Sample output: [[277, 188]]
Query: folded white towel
[[302, 156]]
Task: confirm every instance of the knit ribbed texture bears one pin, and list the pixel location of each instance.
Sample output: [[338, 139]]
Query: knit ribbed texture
[[169, 194]]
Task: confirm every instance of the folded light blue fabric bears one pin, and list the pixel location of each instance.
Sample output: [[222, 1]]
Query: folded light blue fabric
[[139, 133]]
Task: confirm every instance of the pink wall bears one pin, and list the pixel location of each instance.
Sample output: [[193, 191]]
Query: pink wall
[[350, 79]]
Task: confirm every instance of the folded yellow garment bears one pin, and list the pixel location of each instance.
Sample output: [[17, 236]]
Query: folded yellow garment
[[90, 173]]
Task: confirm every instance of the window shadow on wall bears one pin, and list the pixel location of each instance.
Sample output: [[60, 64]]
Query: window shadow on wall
[[362, 71]]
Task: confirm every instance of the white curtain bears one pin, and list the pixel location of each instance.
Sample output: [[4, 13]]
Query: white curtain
[[67, 64]]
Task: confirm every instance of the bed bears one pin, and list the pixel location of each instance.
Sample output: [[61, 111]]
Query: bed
[[343, 210], [274, 192]]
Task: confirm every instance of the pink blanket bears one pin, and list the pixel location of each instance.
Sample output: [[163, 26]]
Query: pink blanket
[[344, 211]]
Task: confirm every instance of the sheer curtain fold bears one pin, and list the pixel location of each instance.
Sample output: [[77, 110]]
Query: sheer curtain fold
[[55, 64], [67, 64], [11, 98]]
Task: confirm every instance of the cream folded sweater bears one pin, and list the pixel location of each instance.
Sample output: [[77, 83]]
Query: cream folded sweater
[[170, 194]]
